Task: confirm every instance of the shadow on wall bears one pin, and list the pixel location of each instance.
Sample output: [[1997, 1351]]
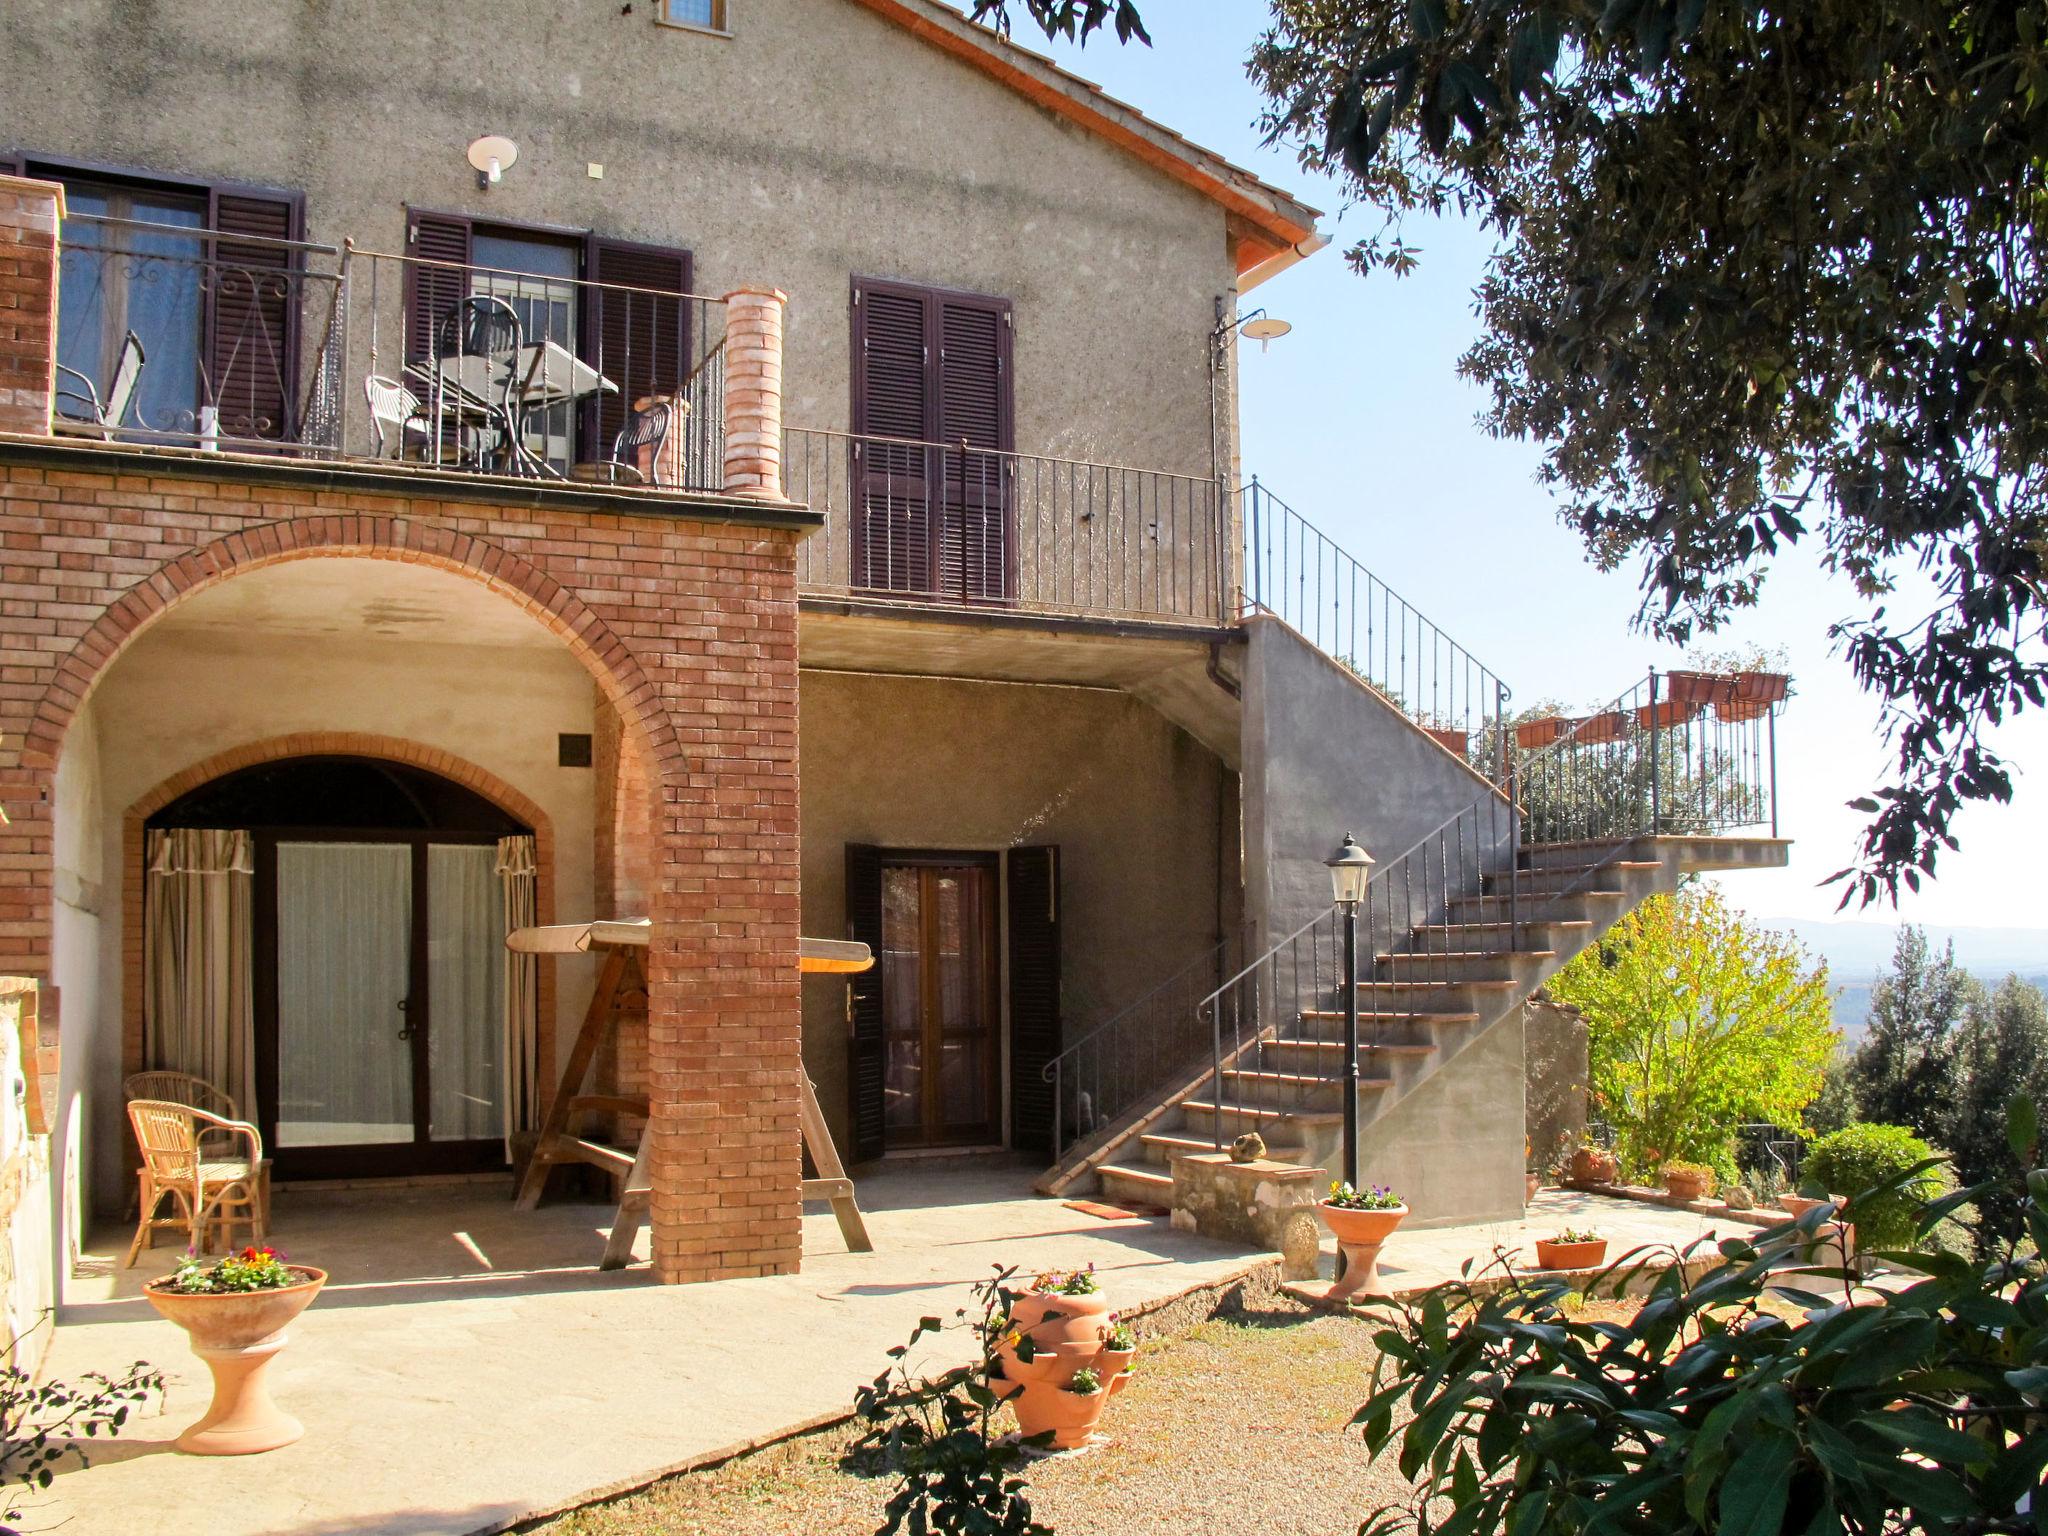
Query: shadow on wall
[[1554, 1045]]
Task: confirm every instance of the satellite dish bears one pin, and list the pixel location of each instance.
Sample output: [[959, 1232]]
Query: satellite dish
[[490, 156], [1265, 328]]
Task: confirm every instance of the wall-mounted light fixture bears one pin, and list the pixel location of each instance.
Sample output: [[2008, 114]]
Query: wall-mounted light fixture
[[491, 156], [1260, 326]]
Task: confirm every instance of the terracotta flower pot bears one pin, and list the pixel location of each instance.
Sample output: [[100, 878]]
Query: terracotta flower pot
[[1752, 694], [1797, 1206], [1551, 1254], [1665, 713], [1052, 1320], [1532, 734], [1451, 741], [1531, 1182], [1592, 1166], [1361, 1235], [1071, 1416], [1112, 1363], [1698, 688], [1594, 730], [1685, 1186], [238, 1334]]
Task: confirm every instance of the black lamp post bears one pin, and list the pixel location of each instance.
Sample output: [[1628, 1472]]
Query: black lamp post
[[1350, 869]]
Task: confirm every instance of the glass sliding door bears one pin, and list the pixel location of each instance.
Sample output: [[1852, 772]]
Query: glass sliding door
[[344, 994]]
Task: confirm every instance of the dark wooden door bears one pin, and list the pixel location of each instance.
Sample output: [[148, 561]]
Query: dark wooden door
[[940, 1005]]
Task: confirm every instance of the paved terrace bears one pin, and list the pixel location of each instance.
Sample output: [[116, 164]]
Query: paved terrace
[[467, 1365]]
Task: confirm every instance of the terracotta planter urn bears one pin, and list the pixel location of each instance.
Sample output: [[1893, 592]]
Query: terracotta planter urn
[[1797, 1206], [1066, 1334], [1360, 1236], [1551, 1254], [1592, 1166], [1531, 1183], [1685, 1186], [238, 1334]]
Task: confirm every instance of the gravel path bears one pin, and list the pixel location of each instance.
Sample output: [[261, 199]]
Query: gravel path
[[1235, 1427]]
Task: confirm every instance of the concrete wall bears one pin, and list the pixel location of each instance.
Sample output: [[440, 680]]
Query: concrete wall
[[1452, 1147], [28, 1269], [817, 142], [1323, 755], [85, 928], [180, 696], [1138, 810], [1554, 1043]]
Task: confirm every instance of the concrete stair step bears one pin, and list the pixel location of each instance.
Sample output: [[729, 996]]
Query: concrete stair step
[[1270, 1089], [1562, 879], [1160, 1150], [1571, 855], [1333, 1050], [1138, 1186], [1477, 931], [1428, 1018], [1469, 965], [1597, 906], [1247, 1114]]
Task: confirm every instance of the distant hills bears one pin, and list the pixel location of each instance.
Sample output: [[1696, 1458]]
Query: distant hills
[[1859, 953]]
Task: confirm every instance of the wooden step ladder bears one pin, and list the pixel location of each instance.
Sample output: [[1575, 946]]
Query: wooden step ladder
[[622, 989]]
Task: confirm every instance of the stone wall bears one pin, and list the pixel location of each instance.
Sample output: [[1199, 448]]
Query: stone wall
[[1554, 1045]]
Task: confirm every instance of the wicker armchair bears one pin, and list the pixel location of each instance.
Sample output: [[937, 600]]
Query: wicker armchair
[[211, 1191]]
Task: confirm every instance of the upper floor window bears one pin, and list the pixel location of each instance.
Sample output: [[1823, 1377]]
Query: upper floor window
[[177, 306], [700, 15]]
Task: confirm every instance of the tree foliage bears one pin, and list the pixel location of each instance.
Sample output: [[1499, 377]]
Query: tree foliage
[[1905, 1071], [1765, 273], [2003, 1051], [1868, 1156], [1765, 1396], [1697, 1022], [1074, 20]]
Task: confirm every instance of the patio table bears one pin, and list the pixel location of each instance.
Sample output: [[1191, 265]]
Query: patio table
[[544, 374]]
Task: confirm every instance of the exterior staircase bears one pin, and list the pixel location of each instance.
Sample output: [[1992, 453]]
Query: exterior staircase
[[1441, 985]]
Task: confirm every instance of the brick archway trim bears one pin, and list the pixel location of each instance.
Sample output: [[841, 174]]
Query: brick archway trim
[[393, 749], [563, 613]]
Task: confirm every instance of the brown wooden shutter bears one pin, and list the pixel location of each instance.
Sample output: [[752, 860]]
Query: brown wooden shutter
[[1035, 1035], [640, 341], [892, 398], [972, 379], [867, 1048], [431, 292], [249, 352], [11, 165]]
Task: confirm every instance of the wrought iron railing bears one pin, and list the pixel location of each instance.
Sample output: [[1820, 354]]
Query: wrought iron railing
[[1134, 1053], [1282, 1019], [192, 337], [1679, 752], [950, 525], [177, 334], [1292, 569]]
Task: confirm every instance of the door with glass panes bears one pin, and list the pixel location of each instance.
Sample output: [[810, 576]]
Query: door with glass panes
[[939, 1001]]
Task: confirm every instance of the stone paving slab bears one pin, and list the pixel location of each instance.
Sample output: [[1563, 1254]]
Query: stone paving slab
[[468, 1366]]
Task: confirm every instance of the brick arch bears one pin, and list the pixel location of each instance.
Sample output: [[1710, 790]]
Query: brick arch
[[603, 654], [393, 749]]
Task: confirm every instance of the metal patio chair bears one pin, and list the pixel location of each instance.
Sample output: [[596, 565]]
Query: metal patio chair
[[105, 413], [487, 330], [645, 433], [212, 1193]]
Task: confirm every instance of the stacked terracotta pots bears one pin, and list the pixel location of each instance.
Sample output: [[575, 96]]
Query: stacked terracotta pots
[[1052, 1337]]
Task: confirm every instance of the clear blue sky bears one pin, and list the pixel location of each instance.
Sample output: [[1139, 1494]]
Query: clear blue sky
[[1360, 421]]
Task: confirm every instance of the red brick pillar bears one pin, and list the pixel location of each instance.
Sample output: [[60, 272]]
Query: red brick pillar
[[753, 392], [29, 214]]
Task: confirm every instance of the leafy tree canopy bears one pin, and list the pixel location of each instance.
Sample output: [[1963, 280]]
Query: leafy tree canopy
[[1697, 1022], [1906, 1070], [1765, 273]]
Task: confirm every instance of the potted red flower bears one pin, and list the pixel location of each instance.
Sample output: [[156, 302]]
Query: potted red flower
[[1573, 1248], [235, 1312]]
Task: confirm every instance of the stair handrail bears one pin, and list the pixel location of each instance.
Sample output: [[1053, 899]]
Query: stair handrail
[[1068, 1061], [1390, 893], [1283, 550]]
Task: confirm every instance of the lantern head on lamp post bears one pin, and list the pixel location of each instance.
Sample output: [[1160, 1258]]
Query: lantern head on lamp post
[[1350, 871]]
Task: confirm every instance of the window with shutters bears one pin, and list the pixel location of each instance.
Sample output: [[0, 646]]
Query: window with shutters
[[192, 273], [618, 305], [932, 422]]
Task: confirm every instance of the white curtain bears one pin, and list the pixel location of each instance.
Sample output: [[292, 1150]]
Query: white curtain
[[198, 944], [344, 947], [467, 981], [519, 890]]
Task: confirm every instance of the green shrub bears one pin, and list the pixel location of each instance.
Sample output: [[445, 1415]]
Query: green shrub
[[1862, 1156]]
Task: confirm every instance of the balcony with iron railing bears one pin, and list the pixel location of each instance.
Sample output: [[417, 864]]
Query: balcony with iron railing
[[234, 343]]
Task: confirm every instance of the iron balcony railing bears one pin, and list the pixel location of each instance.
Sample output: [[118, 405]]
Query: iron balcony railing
[[185, 336], [1292, 569], [936, 524], [1677, 753], [1127, 1059]]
